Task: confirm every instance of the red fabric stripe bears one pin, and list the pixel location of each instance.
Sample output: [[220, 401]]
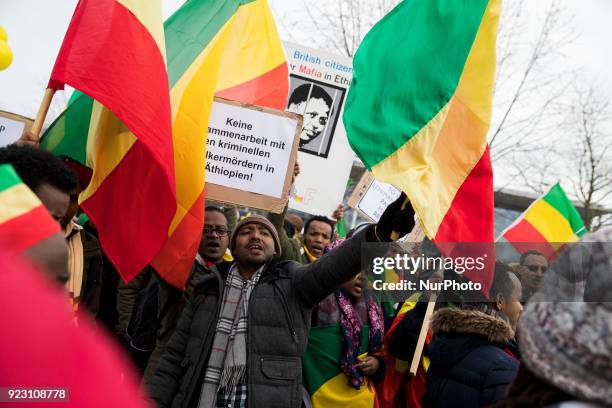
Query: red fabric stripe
[[132, 210], [108, 54], [470, 219], [269, 89], [524, 237], [22, 232], [174, 261]]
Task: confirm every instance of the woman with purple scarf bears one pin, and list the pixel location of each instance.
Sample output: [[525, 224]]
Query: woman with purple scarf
[[343, 360]]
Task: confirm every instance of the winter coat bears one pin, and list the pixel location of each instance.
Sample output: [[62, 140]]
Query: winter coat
[[471, 362], [278, 322]]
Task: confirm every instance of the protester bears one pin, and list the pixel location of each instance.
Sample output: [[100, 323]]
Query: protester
[[44, 174], [214, 243], [43, 349], [260, 310], [532, 267], [473, 353], [399, 388], [318, 232], [565, 344], [298, 225], [336, 344], [85, 260], [28, 230], [52, 182], [56, 187]]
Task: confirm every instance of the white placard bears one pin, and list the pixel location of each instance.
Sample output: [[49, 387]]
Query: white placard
[[318, 86], [10, 130], [377, 198], [248, 149]]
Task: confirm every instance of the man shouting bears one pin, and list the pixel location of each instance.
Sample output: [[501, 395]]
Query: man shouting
[[242, 335]]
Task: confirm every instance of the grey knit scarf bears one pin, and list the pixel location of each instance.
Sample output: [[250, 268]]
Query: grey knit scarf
[[228, 358]]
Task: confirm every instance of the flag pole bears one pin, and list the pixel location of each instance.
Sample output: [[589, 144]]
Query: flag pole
[[42, 114], [418, 351]]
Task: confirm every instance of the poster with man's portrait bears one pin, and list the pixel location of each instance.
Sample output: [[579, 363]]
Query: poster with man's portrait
[[318, 88], [319, 103]]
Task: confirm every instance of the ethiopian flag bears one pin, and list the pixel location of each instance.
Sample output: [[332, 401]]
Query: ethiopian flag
[[24, 221], [114, 51], [549, 223], [418, 111], [397, 388], [228, 48], [324, 381]]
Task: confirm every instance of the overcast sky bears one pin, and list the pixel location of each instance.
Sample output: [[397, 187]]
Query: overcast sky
[[36, 28]]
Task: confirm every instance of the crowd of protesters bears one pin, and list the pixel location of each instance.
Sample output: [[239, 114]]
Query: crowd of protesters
[[262, 284]]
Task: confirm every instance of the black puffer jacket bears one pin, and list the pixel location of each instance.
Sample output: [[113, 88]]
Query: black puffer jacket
[[472, 363], [279, 320]]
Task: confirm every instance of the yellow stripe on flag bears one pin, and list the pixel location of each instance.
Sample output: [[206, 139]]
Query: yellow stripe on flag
[[433, 163], [550, 223], [15, 201], [150, 16], [193, 97], [252, 23], [337, 393], [108, 142]]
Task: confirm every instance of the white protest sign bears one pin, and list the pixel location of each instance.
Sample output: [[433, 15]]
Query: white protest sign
[[10, 130], [317, 90], [250, 149], [377, 198]]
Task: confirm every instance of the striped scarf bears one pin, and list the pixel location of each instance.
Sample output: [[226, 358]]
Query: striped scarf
[[227, 364]]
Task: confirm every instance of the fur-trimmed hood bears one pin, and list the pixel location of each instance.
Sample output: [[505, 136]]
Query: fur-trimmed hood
[[465, 321]]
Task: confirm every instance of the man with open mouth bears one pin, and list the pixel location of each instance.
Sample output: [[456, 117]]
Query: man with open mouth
[[245, 328]]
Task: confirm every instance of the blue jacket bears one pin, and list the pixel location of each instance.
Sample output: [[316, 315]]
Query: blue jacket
[[473, 360]]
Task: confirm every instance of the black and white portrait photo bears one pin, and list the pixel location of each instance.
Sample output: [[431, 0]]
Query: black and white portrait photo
[[319, 103]]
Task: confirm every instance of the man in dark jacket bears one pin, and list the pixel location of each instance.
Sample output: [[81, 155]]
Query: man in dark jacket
[[215, 240], [242, 335]]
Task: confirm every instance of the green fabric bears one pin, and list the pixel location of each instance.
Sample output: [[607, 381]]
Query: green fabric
[[187, 33], [341, 228], [8, 177], [67, 135], [189, 30], [321, 359], [405, 71], [557, 198]]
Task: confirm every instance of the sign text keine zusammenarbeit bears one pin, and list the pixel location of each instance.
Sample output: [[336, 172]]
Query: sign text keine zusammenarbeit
[[248, 149]]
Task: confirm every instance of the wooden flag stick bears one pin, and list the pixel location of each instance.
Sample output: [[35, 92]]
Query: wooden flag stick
[[418, 352], [42, 114]]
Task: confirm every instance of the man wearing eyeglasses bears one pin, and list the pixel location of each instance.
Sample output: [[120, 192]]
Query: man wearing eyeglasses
[[533, 266], [215, 237], [214, 243]]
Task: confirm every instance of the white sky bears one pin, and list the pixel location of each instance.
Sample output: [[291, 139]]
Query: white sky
[[36, 28]]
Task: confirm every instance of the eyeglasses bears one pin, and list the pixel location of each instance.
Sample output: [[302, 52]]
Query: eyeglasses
[[535, 268], [221, 231]]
